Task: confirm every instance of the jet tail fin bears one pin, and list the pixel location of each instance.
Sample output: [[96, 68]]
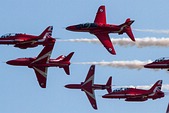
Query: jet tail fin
[[127, 28], [67, 58], [156, 87], [46, 32], [109, 85]]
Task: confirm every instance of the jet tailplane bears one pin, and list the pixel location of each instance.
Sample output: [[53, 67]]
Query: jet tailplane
[[127, 28], [67, 59]]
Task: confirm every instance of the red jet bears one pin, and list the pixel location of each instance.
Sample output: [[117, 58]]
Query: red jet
[[101, 29], [133, 94], [24, 41], [161, 63], [41, 63], [88, 86]]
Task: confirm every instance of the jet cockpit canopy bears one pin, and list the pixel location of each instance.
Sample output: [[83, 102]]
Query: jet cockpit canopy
[[9, 34], [120, 89], [86, 25], [162, 59]]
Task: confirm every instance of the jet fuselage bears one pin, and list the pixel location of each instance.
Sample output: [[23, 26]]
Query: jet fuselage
[[29, 62], [131, 94], [162, 63], [82, 86], [23, 41], [94, 28]]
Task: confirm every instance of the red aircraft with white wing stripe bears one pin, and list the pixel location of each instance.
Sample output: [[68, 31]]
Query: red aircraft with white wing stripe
[[101, 29], [133, 94], [88, 86], [41, 63]]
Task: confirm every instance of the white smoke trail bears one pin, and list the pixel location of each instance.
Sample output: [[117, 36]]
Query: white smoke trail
[[164, 86], [140, 42], [119, 64], [153, 31]]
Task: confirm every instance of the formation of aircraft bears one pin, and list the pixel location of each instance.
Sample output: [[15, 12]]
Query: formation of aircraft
[[133, 94], [161, 63], [41, 63], [88, 86], [24, 41], [101, 29]]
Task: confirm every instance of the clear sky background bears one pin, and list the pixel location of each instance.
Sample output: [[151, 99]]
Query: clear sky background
[[19, 89]]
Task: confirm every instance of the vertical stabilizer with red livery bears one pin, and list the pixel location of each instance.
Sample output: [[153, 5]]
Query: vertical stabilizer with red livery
[[66, 61], [156, 87], [46, 32], [126, 28]]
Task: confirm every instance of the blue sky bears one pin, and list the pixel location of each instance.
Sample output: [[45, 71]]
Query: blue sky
[[20, 92]]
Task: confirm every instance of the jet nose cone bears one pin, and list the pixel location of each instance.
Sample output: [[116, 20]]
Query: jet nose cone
[[70, 28], [147, 66], [113, 52], [67, 86], [103, 96], [10, 62]]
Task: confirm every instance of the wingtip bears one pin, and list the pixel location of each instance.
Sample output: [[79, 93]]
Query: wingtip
[[113, 52], [94, 106], [92, 66], [133, 40], [42, 86], [102, 6], [72, 53]]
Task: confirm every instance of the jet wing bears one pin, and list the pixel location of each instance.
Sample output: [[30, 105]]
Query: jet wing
[[105, 40], [87, 86], [45, 54], [43, 58], [136, 99], [90, 77], [91, 97], [145, 94], [41, 74], [101, 15]]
